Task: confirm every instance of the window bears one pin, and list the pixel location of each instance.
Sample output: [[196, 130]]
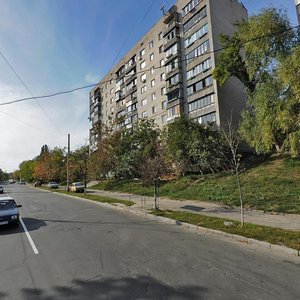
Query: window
[[111, 100], [143, 78], [144, 102], [190, 6], [160, 36], [162, 62], [201, 102], [144, 114], [153, 97], [195, 36], [173, 96], [209, 118], [111, 91], [173, 80], [112, 110], [161, 49], [173, 112], [202, 67], [195, 19], [151, 45], [143, 89], [200, 85], [164, 104], [171, 51], [163, 91], [204, 47], [151, 56], [152, 70], [106, 104], [162, 76], [153, 110], [142, 53], [143, 65], [171, 35], [172, 65], [153, 83], [164, 119]]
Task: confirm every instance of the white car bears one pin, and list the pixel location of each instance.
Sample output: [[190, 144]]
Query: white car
[[77, 187], [53, 185]]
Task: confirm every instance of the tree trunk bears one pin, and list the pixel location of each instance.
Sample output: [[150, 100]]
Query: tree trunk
[[241, 196]]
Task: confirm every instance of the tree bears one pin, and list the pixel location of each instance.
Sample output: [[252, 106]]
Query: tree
[[3, 175], [233, 138], [27, 170], [255, 54], [177, 136]]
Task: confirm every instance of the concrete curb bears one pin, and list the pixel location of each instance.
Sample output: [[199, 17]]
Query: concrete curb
[[195, 228]]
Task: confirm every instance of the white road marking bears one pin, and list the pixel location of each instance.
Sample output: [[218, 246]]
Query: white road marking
[[35, 250]]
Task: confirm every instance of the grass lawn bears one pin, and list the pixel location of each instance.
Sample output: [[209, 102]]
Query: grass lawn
[[271, 186], [96, 198], [271, 235]]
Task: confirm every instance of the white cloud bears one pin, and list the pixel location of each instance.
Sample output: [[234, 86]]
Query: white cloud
[[24, 128]]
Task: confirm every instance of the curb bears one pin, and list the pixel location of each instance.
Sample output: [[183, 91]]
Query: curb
[[195, 228]]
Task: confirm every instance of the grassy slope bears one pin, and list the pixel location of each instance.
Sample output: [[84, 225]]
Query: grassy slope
[[272, 235], [272, 186]]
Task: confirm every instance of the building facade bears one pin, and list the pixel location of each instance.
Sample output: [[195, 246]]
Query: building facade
[[297, 3], [169, 71]]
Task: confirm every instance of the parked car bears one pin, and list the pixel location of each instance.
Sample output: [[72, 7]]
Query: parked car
[[9, 212], [11, 181], [22, 181], [1, 189], [77, 187], [53, 185]]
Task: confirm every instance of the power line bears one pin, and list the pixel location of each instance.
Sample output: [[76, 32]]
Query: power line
[[28, 90], [146, 70], [131, 31]]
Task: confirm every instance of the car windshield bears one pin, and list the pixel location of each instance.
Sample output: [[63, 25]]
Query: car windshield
[[7, 204], [52, 182], [78, 183]]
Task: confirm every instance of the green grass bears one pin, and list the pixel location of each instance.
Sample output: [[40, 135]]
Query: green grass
[[271, 235], [271, 186], [97, 198]]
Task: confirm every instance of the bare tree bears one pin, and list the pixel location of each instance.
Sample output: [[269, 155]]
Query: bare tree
[[233, 138]]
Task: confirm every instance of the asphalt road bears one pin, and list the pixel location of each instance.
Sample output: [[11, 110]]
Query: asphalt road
[[87, 251]]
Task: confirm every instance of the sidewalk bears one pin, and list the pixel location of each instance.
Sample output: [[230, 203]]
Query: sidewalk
[[144, 203]]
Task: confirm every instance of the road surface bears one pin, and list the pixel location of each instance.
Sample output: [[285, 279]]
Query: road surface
[[87, 251]]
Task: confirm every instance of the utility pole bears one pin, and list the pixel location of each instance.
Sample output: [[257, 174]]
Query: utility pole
[[68, 157]]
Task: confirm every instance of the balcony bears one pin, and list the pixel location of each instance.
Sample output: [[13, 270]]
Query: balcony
[[171, 15], [170, 27], [172, 41], [129, 68]]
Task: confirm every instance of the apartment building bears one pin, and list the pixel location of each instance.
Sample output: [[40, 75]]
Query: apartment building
[[297, 3], [169, 71]]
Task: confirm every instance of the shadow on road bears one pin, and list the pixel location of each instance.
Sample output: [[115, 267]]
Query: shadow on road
[[30, 223], [141, 287]]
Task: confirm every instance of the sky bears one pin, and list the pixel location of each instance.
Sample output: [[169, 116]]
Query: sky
[[48, 46]]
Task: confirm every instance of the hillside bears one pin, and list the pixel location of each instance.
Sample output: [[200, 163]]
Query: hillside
[[271, 186]]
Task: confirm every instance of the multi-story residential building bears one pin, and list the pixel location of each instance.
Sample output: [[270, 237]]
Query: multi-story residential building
[[297, 3], [169, 71]]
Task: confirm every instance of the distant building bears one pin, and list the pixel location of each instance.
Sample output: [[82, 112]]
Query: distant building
[[169, 71], [297, 2]]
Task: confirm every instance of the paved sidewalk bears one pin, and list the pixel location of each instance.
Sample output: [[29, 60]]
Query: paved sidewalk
[[144, 203]]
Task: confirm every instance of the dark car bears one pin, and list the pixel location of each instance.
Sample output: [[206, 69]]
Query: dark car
[[1, 189], [9, 212], [37, 183]]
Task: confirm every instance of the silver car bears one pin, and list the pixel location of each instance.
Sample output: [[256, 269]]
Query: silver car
[[52, 185], [9, 212]]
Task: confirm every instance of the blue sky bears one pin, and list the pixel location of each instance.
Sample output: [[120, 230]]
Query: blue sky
[[61, 44]]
